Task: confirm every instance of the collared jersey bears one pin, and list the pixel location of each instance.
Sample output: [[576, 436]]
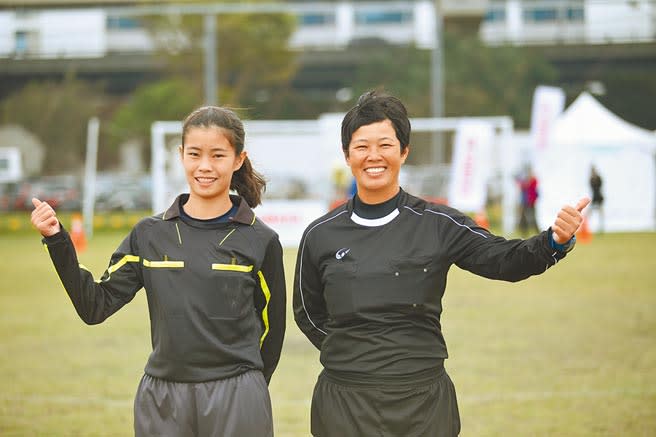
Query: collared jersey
[[216, 292], [368, 293]]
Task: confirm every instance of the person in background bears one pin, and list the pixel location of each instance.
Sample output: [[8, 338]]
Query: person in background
[[528, 186], [369, 281], [215, 284], [597, 204]]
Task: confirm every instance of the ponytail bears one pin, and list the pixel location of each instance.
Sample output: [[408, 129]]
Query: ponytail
[[248, 183]]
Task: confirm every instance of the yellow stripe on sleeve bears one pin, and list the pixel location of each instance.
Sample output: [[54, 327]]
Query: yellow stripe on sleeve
[[111, 269], [265, 314], [126, 259]]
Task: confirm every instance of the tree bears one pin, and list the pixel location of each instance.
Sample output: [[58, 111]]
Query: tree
[[58, 113], [253, 61], [479, 80], [482, 80], [402, 71], [169, 99], [629, 94], [253, 52]]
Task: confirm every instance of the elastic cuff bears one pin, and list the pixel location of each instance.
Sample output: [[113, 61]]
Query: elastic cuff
[[560, 247], [59, 237]]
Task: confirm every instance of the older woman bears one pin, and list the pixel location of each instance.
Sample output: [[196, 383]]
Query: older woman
[[370, 276]]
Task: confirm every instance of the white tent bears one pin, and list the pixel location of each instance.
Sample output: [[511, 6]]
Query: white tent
[[588, 134]]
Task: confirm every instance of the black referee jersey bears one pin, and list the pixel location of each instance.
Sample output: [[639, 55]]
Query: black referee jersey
[[367, 293], [216, 291]]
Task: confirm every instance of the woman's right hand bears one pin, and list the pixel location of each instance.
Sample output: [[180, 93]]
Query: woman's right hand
[[44, 218]]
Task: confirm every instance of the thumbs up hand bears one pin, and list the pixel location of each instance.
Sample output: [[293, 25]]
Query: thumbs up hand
[[568, 221], [44, 218]]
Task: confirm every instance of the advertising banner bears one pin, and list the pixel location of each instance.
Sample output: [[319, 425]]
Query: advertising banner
[[289, 218], [470, 169], [548, 104]]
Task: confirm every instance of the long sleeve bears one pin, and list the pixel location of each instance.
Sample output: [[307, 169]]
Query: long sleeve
[[474, 249], [272, 305], [93, 300], [310, 310]]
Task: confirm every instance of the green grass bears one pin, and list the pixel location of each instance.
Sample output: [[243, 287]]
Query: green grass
[[569, 353]]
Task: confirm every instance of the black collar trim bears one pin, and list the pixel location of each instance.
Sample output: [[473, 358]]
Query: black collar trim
[[244, 215]]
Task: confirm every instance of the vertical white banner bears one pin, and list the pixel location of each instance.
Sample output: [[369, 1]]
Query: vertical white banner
[[548, 104], [470, 168]]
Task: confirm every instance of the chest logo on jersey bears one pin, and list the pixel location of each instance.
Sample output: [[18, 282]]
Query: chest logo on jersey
[[341, 253]]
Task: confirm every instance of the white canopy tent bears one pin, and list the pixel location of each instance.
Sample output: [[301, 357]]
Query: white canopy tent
[[588, 134]]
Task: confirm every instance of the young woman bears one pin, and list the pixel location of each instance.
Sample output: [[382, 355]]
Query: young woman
[[370, 277], [214, 280]]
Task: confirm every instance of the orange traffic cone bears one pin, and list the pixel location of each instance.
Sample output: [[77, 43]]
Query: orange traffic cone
[[77, 233], [583, 235], [481, 220]]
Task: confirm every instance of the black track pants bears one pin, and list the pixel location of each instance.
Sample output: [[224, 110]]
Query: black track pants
[[238, 406], [344, 408]]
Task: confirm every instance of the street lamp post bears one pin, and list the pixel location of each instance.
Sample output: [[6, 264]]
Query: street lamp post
[[437, 83], [211, 61]]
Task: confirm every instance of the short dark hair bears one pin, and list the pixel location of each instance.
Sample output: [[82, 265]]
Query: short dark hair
[[373, 107]]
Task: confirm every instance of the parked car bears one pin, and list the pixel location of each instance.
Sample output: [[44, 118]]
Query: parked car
[[62, 192], [120, 192]]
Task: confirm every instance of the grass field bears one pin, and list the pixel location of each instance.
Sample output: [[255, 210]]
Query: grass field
[[569, 353]]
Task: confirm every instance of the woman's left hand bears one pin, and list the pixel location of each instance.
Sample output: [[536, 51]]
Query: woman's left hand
[[568, 221]]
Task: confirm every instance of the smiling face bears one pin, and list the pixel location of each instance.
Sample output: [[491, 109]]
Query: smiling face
[[375, 157], [209, 160]]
